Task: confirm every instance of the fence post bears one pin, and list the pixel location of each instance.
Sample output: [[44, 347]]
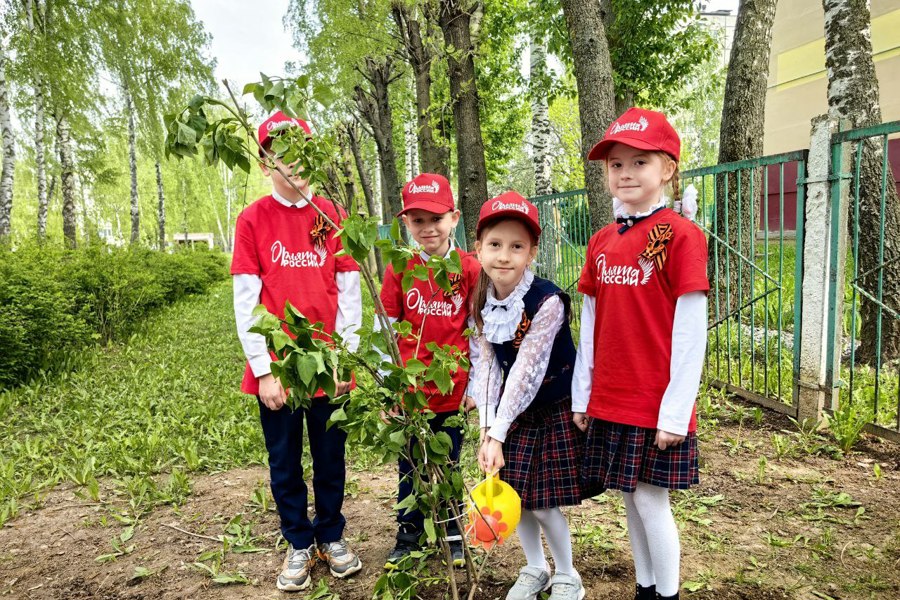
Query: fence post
[[824, 239]]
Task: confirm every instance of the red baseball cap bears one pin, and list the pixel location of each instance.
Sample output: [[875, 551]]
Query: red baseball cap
[[279, 122], [642, 129], [511, 205], [428, 191]]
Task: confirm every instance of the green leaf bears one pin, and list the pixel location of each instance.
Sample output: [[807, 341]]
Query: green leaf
[[280, 339], [415, 366], [440, 444], [307, 368], [429, 530]]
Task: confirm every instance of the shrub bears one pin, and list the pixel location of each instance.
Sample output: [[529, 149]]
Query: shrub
[[54, 302]]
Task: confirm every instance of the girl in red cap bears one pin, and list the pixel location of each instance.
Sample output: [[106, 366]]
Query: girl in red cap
[[521, 383], [642, 343]]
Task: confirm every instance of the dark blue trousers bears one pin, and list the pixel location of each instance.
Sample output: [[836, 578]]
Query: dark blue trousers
[[414, 517], [283, 430]]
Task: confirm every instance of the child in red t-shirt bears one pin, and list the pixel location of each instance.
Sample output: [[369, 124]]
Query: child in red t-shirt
[[285, 251], [643, 339], [430, 216]]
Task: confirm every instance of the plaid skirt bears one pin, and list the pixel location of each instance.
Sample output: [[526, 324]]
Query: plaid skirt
[[543, 453], [618, 456]]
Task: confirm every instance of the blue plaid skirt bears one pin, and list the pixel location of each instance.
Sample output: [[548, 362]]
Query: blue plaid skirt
[[618, 456], [543, 453]]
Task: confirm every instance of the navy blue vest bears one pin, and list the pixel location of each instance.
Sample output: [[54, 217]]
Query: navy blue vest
[[558, 380]]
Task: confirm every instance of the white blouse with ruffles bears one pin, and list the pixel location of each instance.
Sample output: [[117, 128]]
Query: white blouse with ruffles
[[501, 317]]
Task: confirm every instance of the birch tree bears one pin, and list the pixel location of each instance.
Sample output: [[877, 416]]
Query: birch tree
[[853, 96], [540, 115], [8, 147]]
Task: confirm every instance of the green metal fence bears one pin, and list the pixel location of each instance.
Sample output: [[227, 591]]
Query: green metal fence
[[755, 260], [864, 322], [565, 231]]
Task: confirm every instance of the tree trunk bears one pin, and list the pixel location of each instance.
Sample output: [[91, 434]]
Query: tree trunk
[[433, 157], [375, 107], [132, 161], [471, 167], [353, 141], [596, 96], [540, 118], [740, 138], [40, 159], [67, 177], [85, 214], [853, 95], [9, 152], [162, 207]]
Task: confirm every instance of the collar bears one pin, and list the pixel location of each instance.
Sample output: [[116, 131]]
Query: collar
[[425, 256], [285, 202], [627, 221], [501, 317]]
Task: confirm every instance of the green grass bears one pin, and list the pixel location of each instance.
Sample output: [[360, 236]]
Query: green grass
[[167, 401]]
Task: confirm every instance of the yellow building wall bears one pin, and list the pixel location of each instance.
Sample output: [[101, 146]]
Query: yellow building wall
[[798, 87]]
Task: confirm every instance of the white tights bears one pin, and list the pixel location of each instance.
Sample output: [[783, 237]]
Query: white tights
[[556, 530], [654, 538]]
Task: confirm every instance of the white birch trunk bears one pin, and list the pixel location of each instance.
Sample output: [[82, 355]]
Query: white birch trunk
[[412, 150], [132, 159], [540, 118], [853, 95], [40, 158], [9, 152]]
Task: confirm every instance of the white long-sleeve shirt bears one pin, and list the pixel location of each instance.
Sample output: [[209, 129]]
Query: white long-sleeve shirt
[[686, 365], [498, 411]]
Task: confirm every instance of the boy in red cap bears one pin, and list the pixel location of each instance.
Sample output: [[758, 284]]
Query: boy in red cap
[[430, 216], [284, 251], [643, 339]]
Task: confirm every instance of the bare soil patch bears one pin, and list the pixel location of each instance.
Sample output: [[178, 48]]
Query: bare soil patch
[[796, 527]]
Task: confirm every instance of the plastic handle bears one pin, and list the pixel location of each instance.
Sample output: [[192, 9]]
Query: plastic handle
[[489, 492]]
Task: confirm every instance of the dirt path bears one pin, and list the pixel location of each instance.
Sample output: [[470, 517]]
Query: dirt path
[[803, 526]]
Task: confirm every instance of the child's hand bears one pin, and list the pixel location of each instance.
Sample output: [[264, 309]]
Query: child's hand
[[469, 403], [271, 394], [391, 414], [581, 421], [664, 439], [490, 457], [482, 435], [340, 387]]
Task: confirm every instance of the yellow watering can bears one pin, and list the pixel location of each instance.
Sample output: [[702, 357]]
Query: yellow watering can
[[495, 514]]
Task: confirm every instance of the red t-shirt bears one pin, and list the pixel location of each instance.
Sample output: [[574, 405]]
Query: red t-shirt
[[636, 278], [292, 251], [445, 319]]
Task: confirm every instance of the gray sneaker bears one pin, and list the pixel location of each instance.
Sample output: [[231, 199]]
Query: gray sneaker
[[566, 587], [531, 582], [342, 561], [298, 562]]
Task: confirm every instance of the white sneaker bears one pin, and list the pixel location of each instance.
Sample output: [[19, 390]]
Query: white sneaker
[[566, 587], [531, 582]]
